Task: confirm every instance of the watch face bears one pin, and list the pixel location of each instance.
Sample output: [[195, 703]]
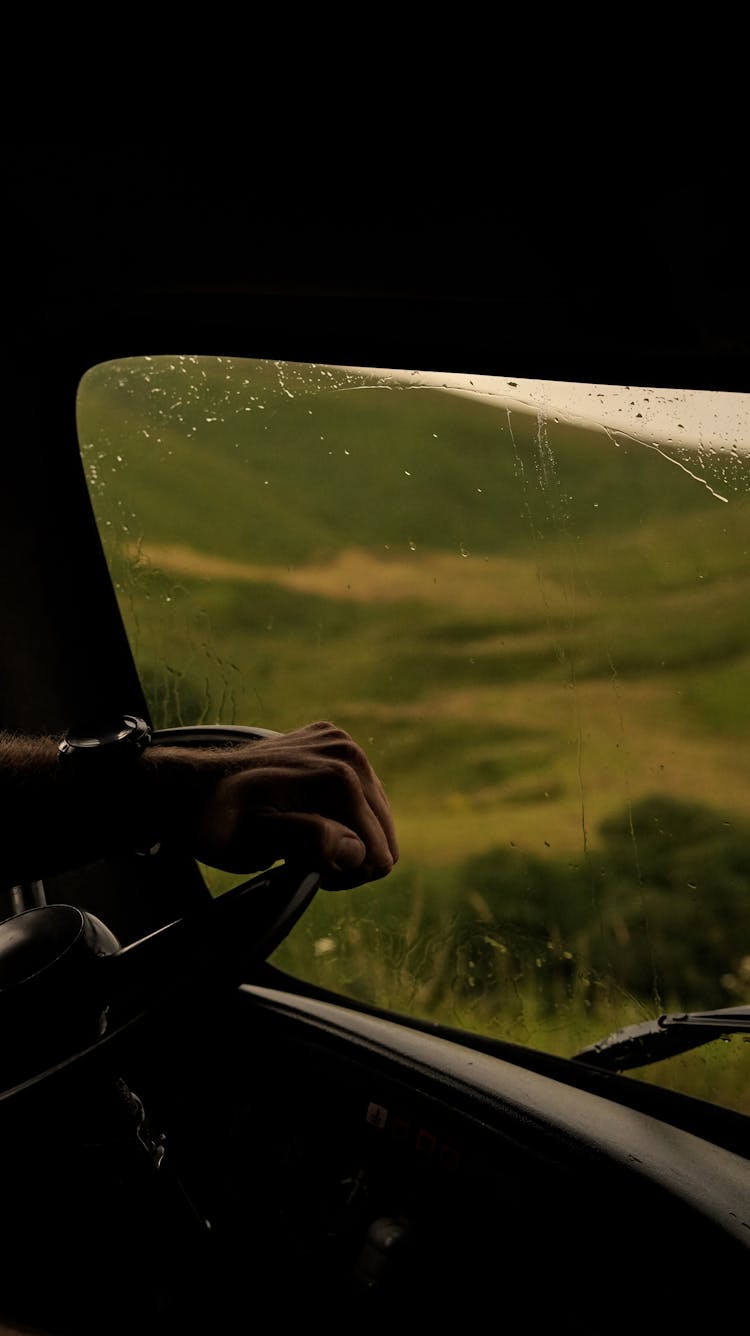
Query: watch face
[[131, 734]]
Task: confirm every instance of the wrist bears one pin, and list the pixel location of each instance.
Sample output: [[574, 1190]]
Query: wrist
[[174, 785]]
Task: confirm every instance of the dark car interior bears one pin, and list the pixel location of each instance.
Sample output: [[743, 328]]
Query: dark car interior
[[240, 1147]]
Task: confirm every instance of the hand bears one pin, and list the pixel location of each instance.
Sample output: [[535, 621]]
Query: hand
[[309, 797]]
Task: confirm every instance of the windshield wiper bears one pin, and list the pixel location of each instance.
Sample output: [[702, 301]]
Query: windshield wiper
[[651, 1041]]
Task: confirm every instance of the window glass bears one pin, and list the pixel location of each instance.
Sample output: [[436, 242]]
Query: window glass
[[528, 602]]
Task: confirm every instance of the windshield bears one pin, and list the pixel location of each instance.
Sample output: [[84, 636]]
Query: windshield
[[528, 602]]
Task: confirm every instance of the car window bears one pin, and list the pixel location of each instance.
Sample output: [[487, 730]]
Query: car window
[[528, 602]]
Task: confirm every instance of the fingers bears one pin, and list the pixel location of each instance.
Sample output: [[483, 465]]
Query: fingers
[[337, 771], [310, 796], [320, 845]]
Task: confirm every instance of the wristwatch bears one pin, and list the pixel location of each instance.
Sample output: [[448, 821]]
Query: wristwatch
[[111, 753]]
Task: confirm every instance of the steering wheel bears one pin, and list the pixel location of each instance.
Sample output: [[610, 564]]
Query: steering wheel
[[67, 986]]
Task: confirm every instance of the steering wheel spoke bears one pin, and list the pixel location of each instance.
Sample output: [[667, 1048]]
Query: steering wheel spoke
[[215, 946]]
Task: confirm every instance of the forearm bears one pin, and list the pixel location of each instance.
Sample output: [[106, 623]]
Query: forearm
[[39, 827]]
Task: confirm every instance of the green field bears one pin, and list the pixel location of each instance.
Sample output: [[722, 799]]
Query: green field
[[538, 633]]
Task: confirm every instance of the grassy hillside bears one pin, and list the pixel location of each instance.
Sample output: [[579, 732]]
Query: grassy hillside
[[537, 632]]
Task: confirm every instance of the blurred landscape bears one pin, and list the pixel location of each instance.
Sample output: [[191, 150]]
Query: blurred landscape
[[539, 634]]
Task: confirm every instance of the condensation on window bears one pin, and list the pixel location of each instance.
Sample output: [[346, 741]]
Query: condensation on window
[[528, 602]]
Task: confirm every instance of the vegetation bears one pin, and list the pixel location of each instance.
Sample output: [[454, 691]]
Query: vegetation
[[538, 633]]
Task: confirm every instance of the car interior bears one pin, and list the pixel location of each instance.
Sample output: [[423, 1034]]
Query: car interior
[[242, 1126]]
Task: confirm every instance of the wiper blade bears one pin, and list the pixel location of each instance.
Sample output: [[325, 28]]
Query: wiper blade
[[651, 1041]]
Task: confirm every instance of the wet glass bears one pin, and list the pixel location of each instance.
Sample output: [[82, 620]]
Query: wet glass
[[528, 603]]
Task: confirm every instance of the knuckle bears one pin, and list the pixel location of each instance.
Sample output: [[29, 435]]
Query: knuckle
[[324, 726], [338, 775], [348, 750], [333, 733]]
